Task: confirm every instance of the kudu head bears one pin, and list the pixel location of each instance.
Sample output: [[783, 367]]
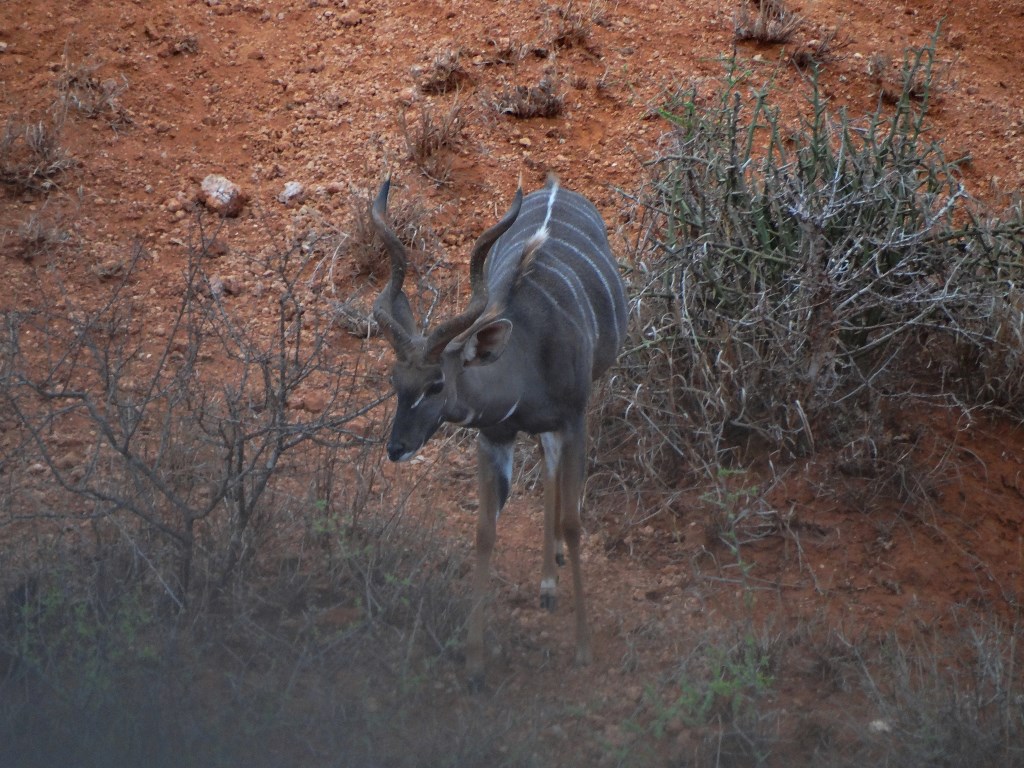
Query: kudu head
[[427, 366]]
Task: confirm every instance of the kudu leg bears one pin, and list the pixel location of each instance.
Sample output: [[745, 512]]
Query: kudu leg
[[551, 444], [494, 475], [554, 531], [571, 475], [564, 466]]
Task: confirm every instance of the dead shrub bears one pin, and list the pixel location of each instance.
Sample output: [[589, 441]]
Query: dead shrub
[[188, 461]]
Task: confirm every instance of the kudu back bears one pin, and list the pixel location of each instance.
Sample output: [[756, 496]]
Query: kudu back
[[546, 318]]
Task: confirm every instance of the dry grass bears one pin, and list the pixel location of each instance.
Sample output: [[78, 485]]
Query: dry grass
[[184, 43], [430, 138], [574, 26], [771, 23], [506, 51], [444, 74], [350, 635], [819, 51], [79, 89], [363, 248], [41, 233], [32, 156], [944, 700], [525, 102]]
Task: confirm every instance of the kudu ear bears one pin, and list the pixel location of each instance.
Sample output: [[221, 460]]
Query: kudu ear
[[487, 343]]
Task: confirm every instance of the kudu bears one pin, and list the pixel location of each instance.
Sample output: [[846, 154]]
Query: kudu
[[546, 317]]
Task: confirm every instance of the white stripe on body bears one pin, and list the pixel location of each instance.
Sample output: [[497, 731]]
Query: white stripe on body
[[510, 255], [557, 305], [594, 267], [551, 204], [570, 280], [565, 264]]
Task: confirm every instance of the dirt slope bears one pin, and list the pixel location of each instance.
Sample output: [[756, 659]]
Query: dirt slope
[[310, 90]]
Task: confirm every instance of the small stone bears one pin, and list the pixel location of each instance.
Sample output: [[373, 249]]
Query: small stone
[[68, 461], [292, 194], [108, 268], [225, 286], [216, 247], [232, 285], [313, 402], [222, 196]]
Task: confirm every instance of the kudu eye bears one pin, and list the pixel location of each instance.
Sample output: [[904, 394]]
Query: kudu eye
[[434, 388]]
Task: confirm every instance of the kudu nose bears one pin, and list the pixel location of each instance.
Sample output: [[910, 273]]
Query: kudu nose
[[396, 450]]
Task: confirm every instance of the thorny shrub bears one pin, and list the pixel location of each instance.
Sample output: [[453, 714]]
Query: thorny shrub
[[200, 497], [786, 277], [187, 428]]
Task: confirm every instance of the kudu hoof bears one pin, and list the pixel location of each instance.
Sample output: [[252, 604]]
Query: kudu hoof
[[548, 602]]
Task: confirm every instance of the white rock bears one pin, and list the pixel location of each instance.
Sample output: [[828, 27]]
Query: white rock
[[292, 193], [879, 726], [222, 196]]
